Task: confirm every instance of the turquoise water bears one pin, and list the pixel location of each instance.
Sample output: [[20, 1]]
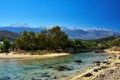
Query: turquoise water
[[46, 69]]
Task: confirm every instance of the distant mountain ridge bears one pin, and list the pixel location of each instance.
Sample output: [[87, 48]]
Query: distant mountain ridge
[[8, 35], [87, 34], [73, 33]]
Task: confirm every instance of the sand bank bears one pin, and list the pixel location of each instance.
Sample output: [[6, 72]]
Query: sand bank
[[27, 56]]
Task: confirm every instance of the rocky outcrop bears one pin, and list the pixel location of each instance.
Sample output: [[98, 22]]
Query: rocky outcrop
[[111, 74]]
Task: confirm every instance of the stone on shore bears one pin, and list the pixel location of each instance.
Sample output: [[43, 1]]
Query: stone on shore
[[96, 63], [88, 75], [117, 64]]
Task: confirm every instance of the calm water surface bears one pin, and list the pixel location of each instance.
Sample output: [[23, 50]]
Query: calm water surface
[[46, 69]]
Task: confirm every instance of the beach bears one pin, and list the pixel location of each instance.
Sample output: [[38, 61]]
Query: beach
[[28, 56], [104, 71]]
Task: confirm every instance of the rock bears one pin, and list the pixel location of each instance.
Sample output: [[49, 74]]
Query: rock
[[110, 57], [101, 76], [19, 77], [117, 64], [36, 78], [96, 69], [88, 75], [45, 75], [110, 74], [99, 51], [5, 78], [99, 68], [104, 67], [111, 70], [119, 57], [64, 68], [54, 77], [106, 62], [78, 61], [97, 63], [51, 67]]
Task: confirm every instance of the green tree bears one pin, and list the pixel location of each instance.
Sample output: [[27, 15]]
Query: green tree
[[6, 45], [58, 37], [32, 40], [23, 41], [78, 44], [69, 44], [53, 38], [13, 46], [42, 38]]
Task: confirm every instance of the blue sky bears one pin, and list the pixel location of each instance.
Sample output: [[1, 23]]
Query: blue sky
[[79, 13]]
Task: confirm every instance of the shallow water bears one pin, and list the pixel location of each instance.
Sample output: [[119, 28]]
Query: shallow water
[[46, 69]]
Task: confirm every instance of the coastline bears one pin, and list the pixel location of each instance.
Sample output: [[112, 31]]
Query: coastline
[[28, 56], [96, 72]]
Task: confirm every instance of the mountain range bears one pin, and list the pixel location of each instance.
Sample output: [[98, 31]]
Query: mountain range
[[73, 32]]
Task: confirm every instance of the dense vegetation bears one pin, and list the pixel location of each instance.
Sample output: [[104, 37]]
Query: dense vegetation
[[47, 39], [57, 40]]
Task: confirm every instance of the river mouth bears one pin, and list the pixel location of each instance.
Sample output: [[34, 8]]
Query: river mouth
[[56, 68]]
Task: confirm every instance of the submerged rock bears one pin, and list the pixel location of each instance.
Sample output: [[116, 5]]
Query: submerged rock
[[5, 78], [19, 77], [64, 68], [50, 66], [35, 79], [44, 76], [78, 61]]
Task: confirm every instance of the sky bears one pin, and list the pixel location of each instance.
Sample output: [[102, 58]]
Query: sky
[[77, 13]]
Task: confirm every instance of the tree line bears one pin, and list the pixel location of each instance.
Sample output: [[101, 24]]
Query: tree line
[[55, 39]]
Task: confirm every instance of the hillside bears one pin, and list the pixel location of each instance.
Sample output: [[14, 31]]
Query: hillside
[[8, 35]]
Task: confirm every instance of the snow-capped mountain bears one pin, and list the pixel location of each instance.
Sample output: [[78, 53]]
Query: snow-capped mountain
[[73, 32]]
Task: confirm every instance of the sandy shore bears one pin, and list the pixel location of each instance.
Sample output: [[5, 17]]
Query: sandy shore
[[102, 72], [27, 56]]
